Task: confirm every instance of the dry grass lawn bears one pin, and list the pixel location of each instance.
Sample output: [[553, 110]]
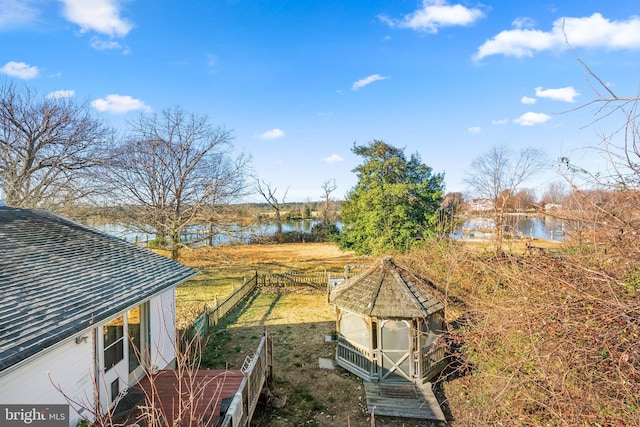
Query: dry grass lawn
[[222, 267]]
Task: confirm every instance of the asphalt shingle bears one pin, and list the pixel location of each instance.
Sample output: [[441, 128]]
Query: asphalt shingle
[[58, 277]]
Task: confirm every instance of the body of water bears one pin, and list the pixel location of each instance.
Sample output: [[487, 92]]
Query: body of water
[[521, 226], [225, 235], [537, 227]]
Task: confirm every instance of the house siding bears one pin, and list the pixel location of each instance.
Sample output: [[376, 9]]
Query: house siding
[[71, 366], [68, 366], [162, 309]]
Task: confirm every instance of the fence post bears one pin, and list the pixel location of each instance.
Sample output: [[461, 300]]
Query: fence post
[[206, 319]]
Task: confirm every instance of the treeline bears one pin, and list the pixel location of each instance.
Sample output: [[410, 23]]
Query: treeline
[[242, 213]]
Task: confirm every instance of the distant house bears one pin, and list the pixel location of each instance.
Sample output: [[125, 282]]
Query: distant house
[[552, 207], [481, 205], [82, 314]]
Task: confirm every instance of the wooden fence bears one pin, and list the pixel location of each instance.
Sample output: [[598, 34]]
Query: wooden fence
[[257, 371], [210, 317], [317, 280]]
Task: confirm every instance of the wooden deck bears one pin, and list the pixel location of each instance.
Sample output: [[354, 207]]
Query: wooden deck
[[208, 388], [403, 400], [171, 394]]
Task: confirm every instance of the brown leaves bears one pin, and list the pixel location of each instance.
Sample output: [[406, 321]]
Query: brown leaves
[[554, 339]]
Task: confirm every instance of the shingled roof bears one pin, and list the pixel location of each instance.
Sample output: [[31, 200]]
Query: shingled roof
[[58, 277], [387, 290]]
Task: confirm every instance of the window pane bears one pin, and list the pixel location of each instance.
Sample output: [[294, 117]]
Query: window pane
[[113, 355], [135, 338], [113, 331], [113, 342]]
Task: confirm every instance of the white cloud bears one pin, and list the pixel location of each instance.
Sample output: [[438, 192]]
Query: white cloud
[[499, 122], [523, 22], [14, 13], [119, 104], [532, 119], [594, 31], [99, 44], [334, 158], [434, 15], [367, 81], [20, 70], [272, 134], [566, 94], [57, 94], [101, 16], [474, 129], [528, 100]]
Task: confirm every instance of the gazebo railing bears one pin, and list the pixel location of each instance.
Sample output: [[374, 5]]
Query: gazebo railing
[[360, 360], [433, 360]]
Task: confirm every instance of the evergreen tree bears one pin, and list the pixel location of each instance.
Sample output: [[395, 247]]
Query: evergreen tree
[[394, 205]]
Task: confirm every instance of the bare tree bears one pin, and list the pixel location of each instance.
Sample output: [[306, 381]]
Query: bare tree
[[621, 146], [48, 146], [498, 175], [328, 187], [556, 193], [609, 222], [269, 193], [174, 167]]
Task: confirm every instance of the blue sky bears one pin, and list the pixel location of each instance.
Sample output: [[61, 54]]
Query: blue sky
[[298, 82]]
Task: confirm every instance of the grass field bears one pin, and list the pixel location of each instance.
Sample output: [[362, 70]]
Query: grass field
[[222, 267]]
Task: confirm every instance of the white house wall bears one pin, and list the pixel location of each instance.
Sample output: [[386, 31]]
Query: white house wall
[[162, 309], [68, 366]]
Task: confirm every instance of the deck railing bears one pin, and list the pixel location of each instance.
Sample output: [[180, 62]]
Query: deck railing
[[359, 359], [256, 371]]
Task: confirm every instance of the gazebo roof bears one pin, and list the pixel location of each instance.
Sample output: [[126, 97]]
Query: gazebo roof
[[387, 290]]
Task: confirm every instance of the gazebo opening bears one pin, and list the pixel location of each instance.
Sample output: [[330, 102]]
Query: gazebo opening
[[388, 324]]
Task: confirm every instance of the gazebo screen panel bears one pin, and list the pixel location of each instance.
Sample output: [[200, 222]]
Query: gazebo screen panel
[[355, 330], [431, 328], [395, 335]]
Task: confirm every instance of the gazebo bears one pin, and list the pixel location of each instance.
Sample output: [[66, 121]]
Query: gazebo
[[388, 321]]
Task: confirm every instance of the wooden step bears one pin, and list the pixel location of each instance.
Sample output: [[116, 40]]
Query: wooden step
[[403, 400]]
